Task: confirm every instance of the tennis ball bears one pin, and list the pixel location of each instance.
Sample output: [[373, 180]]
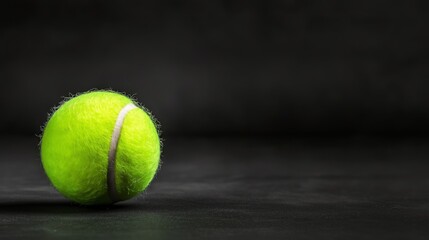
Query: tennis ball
[[100, 147]]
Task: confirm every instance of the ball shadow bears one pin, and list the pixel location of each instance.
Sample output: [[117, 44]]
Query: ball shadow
[[57, 207], [61, 207]]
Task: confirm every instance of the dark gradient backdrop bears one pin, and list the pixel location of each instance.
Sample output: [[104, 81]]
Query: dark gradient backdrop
[[245, 68]]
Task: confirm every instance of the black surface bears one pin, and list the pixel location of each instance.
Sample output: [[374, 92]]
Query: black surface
[[237, 189]]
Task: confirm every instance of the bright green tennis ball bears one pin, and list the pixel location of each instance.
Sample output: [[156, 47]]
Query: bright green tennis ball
[[100, 148]]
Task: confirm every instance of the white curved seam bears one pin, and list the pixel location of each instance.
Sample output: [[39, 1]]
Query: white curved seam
[[111, 168]]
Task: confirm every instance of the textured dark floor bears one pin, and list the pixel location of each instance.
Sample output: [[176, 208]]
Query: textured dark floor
[[237, 189]]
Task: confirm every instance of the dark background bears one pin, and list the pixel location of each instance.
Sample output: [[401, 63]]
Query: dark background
[[239, 68], [280, 119]]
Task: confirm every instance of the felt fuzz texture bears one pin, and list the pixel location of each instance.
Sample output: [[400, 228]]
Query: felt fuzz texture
[[75, 147]]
